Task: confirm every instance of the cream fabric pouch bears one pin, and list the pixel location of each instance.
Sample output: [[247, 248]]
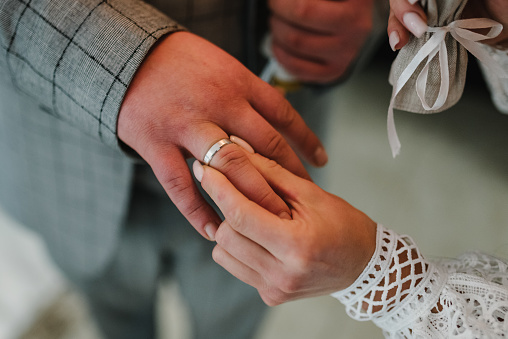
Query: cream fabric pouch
[[429, 73]]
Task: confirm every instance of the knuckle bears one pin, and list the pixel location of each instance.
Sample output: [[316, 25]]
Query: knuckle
[[303, 262], [284, 115], [268, 300], [302, 257], [220, 196], [271, 164], [275, 145], [276, 297], [221, 236], [180, 190], [231, 160], [290, 284], [195, 208], [217, 254], [285, 282], [234, 223], [177, 185], [174, 182], [265, 198], [237, 219]]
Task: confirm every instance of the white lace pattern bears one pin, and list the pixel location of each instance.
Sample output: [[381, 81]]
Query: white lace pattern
[[410, 297], [498, 86]]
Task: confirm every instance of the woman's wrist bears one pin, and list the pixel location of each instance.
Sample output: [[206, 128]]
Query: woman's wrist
[[397, 284]]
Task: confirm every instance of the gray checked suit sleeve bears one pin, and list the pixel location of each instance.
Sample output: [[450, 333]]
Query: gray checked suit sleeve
[[77, 57]]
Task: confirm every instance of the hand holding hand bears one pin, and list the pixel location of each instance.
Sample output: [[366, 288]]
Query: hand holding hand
[[407, 17], [322, 249], [317, 40], [187, 95]]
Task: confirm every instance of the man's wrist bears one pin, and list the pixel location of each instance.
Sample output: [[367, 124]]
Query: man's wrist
[[141, 89]]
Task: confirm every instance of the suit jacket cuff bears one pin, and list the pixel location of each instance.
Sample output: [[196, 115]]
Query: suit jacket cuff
[[77, 58]]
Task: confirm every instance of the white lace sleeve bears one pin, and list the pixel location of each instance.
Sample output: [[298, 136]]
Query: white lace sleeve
[[498, 86], [408, 296]]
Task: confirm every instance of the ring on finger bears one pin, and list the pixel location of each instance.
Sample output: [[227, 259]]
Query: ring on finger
[[214, 149]]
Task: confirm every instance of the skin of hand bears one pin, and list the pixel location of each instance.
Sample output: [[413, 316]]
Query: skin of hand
[[317, 40], [322, 249], [407, 17], [187, 95]]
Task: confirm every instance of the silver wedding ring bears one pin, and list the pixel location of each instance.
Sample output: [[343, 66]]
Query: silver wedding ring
[[214, 149]]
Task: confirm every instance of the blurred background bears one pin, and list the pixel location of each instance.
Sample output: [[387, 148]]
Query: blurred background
[[448, 189]]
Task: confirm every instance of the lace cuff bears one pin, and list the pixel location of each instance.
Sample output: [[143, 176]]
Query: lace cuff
[[410, 297], [397, 286], [498, 86]]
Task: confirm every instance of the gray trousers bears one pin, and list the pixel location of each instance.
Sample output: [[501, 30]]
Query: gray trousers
[[157, 241]]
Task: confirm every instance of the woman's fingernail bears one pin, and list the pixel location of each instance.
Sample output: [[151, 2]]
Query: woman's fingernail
[[320, 156], [210, 230], [198, 170], [242, 143], [412, 2], [414, 23], [285, 215], [393, 39]]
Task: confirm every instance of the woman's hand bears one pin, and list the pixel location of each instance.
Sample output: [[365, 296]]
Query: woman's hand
[[407, 17], [321, 248]]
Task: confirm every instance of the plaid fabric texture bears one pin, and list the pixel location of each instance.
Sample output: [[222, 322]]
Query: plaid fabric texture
[[64, 69]]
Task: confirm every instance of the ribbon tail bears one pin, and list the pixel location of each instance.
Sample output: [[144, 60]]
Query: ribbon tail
[[393, 139], [421, 81], [404, 77]]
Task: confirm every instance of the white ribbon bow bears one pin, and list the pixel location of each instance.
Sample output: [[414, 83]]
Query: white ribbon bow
[[460, 31]]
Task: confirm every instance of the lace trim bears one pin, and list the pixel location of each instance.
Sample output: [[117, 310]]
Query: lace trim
[[397, 285], [474, 301], [409, 297], [497, 85]]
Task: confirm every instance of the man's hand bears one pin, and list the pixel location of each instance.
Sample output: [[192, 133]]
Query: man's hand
[[323, 249], [407, 17], [187, 95], [317, 40]]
